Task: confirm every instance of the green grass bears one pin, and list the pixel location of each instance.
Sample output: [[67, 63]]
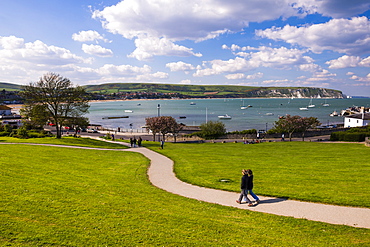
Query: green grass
[[83, 142], [333, 173], [54, 196]]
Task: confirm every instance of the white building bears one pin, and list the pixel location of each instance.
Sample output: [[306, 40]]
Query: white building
[[357, 120], [5, 110]]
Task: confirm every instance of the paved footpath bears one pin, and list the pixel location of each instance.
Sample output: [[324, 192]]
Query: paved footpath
[[162, 176]]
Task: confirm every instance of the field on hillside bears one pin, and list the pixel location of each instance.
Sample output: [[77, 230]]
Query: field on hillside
[[333, 173], [52, 196]]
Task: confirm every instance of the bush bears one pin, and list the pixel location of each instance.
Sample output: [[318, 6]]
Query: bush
[[244, 132], [4, 133], [349, 136]]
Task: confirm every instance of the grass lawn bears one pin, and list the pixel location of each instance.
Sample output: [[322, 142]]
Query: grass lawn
[[333, 173], [83, 142], [54, 196]]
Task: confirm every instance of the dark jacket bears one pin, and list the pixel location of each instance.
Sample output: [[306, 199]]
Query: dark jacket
[[244, 182], [250, 182]]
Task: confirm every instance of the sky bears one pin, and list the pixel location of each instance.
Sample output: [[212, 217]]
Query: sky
[[305, 43]]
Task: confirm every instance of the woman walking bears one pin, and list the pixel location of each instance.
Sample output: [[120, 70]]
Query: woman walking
[[244, 188], [250, 185]]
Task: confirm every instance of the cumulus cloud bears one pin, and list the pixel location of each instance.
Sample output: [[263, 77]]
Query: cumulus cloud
[[97, 50], [180, 66], [239, 76], [348, 62], [15, 50], [280, 58], [147, 47], [349, 36], [90, 35]]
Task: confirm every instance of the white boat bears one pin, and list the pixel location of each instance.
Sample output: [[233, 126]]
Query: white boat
[[192, 103], [269, 114], [310, 105], [243, 107], [334, 114], [129, 111], [303, 109], [224, 117], [325, 104]]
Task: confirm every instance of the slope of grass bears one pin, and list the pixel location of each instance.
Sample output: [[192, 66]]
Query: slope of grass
[[83, 142], [334, 173], [67, 197]]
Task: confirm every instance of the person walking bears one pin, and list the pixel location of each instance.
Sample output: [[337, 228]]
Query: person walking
[[139, 141], [250, 186], [243, 188]]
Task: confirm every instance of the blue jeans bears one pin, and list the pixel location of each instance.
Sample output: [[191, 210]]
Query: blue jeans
[[244, 193], [253, 195]]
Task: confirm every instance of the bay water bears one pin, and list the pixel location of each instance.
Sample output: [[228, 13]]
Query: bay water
[[192, 112]]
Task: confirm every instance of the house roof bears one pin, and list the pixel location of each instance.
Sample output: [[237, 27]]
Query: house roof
[[4, 107], [359, 116]]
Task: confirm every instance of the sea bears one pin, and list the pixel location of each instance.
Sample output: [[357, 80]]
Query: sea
[[261, 113]]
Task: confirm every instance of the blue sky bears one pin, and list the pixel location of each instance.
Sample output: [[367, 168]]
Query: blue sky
[[307, 43]]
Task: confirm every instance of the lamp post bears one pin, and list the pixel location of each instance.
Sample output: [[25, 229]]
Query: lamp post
[[159, 110]]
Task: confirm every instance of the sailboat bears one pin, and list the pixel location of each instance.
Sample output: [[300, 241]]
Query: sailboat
[[310, 105], [243, 107], [325, 104]]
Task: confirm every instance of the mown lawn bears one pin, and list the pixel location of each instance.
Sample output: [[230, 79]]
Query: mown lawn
[[82, 142], [333, 173], [54, 196]]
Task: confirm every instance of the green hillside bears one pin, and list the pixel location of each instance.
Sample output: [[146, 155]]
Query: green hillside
[[9, 86]]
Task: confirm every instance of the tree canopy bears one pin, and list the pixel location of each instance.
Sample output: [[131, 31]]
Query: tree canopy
[[57, 97], [163, 125], [212, 129], [290, 124]]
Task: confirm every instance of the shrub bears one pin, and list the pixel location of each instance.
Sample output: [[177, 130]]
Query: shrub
[[4, 133], [349, 136], [244, 132]]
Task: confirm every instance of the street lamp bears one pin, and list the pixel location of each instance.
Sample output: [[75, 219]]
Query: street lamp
[[159, 110]]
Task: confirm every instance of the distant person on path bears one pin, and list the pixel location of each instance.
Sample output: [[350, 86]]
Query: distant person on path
[[134, 142], [162, 144], [282, 137], [112, 137], [250, 185], [243, 187], [131, 142], [139, 141]]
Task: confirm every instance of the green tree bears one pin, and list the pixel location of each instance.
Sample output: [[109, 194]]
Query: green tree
[[290, 124], [212, 129], [59, 98], [163, 125]]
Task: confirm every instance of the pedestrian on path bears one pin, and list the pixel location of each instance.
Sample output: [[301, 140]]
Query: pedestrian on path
[[250, 185], [139, 141], [243, 188]]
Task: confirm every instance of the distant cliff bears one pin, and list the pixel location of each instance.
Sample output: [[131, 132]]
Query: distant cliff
[[150, 90], [161, 91]]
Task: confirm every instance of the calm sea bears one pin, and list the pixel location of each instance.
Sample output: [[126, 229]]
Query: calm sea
[[261, 116]]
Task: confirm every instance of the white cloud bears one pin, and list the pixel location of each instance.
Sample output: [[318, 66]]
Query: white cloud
[[90, 35], [341, 35], [280, 58], [239, 76], [97, 50], [186, 81], [147, 47], [180, 66], [348, 62]]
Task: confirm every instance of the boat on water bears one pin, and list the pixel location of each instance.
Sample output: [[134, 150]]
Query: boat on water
[[129, 111], [334, 114], [243, 107], [303, 108], [182, 117], [192, 103], [269, 114], [311, 105], [224, 117], [325, 104]]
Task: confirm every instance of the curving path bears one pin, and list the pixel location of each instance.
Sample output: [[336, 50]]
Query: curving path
[[162, 176]]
